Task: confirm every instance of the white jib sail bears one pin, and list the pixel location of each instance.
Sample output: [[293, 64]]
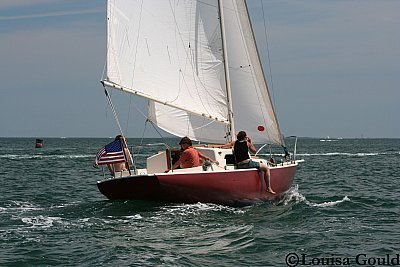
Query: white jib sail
[[252, 106]]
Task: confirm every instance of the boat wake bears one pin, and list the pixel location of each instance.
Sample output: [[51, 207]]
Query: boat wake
[[41, 221], [329, 203], [186, 209], [294, 196]]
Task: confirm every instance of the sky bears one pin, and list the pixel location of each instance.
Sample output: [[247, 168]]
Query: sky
[[335, 68]]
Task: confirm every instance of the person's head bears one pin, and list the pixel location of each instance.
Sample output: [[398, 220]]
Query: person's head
[[185, 141], [241, 135]]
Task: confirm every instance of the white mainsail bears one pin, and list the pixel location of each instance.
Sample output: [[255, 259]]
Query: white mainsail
[[171, 53], [168, 51]]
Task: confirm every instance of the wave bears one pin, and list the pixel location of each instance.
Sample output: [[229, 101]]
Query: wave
[[27, 156], [133, 217], [20, 206], [334, 154], [70, 156], [92, 156], [360, 154], [329, 203], [293, 195]]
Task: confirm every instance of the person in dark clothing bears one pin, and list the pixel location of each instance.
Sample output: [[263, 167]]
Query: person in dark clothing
[[241, 148]]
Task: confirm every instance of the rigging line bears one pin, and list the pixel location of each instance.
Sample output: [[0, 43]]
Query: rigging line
[[102, 77], [228, 88], [140, 111], [201, 128], [155, 128], [274, 119], [188, 57], [113, 110], [144, 131], [205, 125], [269, 59], [141, 139], [105, 61], [252, 68], [110, 14], [176, 44], [188, 124], [147, 120], [195, 55], [104, 69], [252, 71], [208, 116], [137, 43], [281, 137], [191, 59], [129, 113]]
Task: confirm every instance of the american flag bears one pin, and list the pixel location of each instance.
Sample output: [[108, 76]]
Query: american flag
[[111, 153]]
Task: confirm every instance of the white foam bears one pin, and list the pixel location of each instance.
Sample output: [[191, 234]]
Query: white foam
[[186, 209], [329, 203], [23, 206], [41, 221], [293, 195], [134, 217]]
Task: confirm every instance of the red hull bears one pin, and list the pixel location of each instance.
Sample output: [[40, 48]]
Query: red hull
[[235, 187]]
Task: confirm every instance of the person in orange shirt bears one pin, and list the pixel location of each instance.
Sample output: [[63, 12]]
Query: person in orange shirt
[[190, 156]]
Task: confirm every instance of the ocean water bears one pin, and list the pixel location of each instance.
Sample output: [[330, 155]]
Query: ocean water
[[343, 209]]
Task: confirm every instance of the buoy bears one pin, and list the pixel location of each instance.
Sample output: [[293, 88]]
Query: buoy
[[39, 143]]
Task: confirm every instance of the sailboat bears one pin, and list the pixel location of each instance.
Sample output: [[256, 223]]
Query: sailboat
[[197, 64]]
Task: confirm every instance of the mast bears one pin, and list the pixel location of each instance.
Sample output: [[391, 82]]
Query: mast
[[231, 134]]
